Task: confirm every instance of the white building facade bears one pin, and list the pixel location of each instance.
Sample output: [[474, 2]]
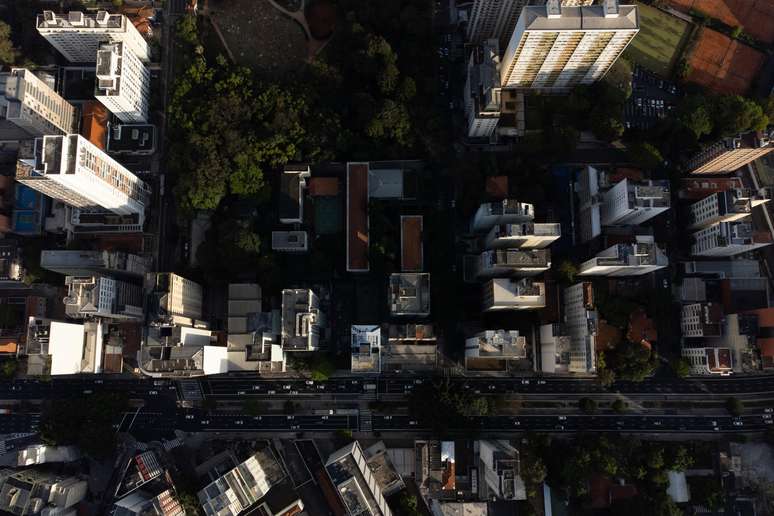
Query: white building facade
[[123, 83], [482, 90], [632, 203], [31, 104], [641, 257], [511, 294], [580, 317], [728, 239], [527, 235], [507, 211]]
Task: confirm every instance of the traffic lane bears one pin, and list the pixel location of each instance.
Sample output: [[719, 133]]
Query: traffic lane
[[198, 422], [240, 387]]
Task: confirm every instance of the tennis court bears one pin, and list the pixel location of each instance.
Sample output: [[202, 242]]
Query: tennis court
[[660, 41]]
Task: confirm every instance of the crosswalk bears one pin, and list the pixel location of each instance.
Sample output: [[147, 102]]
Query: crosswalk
[[191, 390], [366, 424]]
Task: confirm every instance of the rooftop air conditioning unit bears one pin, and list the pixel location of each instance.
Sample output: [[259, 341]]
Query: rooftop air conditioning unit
[[75, 18], [49, 17], [102, 17]]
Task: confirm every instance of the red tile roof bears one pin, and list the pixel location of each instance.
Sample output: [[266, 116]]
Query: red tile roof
[[497, 187], [94, 123], [411, 243], [323, 186], [357, 217]]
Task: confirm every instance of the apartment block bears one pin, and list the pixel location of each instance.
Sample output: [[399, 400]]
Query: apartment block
[[555, 348], [175, 299], [366, 343], [512, 294], [355, 483], [635, 259], [728, 239], [73, 170], [701, 320], [492, 350], [505, 263], [302, 320], [729, 154], [123, 83], [555, 47], [77, 36], [501, 468], [87, 263], [176, 351], [102, 296], [482, 90], [632, 203], [31, 104], [725, 206], [708, 361], [31, 491], [527, 235], [408, 294], [581, 322], [63, 348], [409, 347], [508, 211]]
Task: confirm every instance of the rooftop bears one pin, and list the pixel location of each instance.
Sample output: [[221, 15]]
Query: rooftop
[[409, 294], [77, 19], [292, 185], [366, 342], [587, 18], [301, 320], [132, 139], [412, 259]]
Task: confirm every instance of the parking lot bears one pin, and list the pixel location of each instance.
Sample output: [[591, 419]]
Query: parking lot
[[651, 100]]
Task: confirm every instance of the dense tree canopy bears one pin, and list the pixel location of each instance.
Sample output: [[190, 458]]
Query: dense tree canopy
[[8, 53], [632, 361], [441, 406]]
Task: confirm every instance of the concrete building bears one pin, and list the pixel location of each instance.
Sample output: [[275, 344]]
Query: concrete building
[[61, 348], [632, 203], [482, 90], [708, 361], [555, 348], [33, 492], [366, 343], [12, 270], [355, 483], [527, 235], [581, 322], [493, 350], [73, 170], [725, 206], [131, 139], [410, 347], [253, 338], [123, 83], [500, 466], [174, 351], [728, 239], [87, 263], [174, 298], [145, 503], [379, 462], [102, 296], [77, 36], [506, 263], [293, 183], [556, 48], [729, 154], [31, 104], [290, 241], [701, 320], [508, 211], [641, 257], [409, 294], [513, 294], [302, 320]]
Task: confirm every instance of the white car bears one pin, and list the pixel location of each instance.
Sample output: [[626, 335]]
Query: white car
[[562, 418], [738, 423]]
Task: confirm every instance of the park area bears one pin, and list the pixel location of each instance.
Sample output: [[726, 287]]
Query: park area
[[660, 42], [722, 64], [755, 17]]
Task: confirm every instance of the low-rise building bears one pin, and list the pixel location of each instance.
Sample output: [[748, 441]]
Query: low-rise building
[[500, 466], [355, 482], [173, 351], [493, 350], [729, 154], [725, 206], [701, 320], [641, 257], [292, 187], [147, 503], [513, 294], [366, 343], [555, 348], [508, 211], [482, 90], [87, 263], [302, 320], [62, 348], [506, 263], [410, 347], [131, 139], [290, 241], [527, 235], [101, 296], [581, 321], [33, 492], [409, 294], [728, 239], [706, 361]]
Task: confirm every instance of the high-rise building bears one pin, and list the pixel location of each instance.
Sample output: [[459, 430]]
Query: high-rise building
[[86, 263], [505, 263], [580, 318], [508, 211], [73, 170], [177, 299], [725, 206], [632, 203], [708, 360], [355, 483], [513, 294], [123, 83], [101, 296], [77, 36], [31, 104], [728, 239], [640, 257], [556, 48], [31, 492], [527, 235], [729, 154], [482, 90]]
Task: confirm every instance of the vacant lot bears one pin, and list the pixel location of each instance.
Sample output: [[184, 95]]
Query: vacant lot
[[756, 17], [722, 64], [259, 36], [660, 41]]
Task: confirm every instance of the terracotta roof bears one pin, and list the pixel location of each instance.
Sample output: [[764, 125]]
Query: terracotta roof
[[94, 123], [113, 363], [765, 318], [411, 243], [621, 173], [497, 187], [641, 327], [323, 186], [767, 352], [8, 346], [357, 217]]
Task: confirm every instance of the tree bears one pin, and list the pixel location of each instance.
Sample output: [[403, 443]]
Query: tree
[[706, 491], [607, 128], [8, 369], [681, 367], [8, 53], [186, 29], [253, 407], [632, 361], [736, 32], [619, 406], [645, 155], [695, 115], [567, 271], [605, 376], [407, 505], [681, 459], [734, 406], [189, 503], [587, 405], [733, 114]]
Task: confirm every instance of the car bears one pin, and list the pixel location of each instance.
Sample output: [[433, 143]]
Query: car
[[559, 427], [413, 423], [541, 382], [517, 423], [189, 416], [320, 386], [290, 417], [714, 423], [258, 418], [272, 392], [256, 387], [86, 391], [768, 421], [562, 418], [738, 423], [204, 422], [239, 422], [153, 393], [768, 410], [295, 427], [309, 382], [525, 382], [665, 283], [657, 423], [492, 387], [388, 418], [418, 381]]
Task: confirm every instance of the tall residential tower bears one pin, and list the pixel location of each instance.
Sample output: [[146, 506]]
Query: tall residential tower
[[123, 83], [31, 104]]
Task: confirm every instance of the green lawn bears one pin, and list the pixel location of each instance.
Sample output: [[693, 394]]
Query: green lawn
[[659, 43]]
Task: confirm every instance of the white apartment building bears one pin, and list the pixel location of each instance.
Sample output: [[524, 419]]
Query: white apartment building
[[366, 342], [701, 320], [177, 297], [581, 318], [101, 296], [31, 491], [641, 257], [527, 235], [728, 239], [512, 294], [506, 263], [302, 320], [501, 470], [75, 171], [632, 203], [123, 83], [482, 90], [31, 104], [508, 211], [708, 360], [491, 350], [725, 206], [77, 36], [356, 483], [555, 47]]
